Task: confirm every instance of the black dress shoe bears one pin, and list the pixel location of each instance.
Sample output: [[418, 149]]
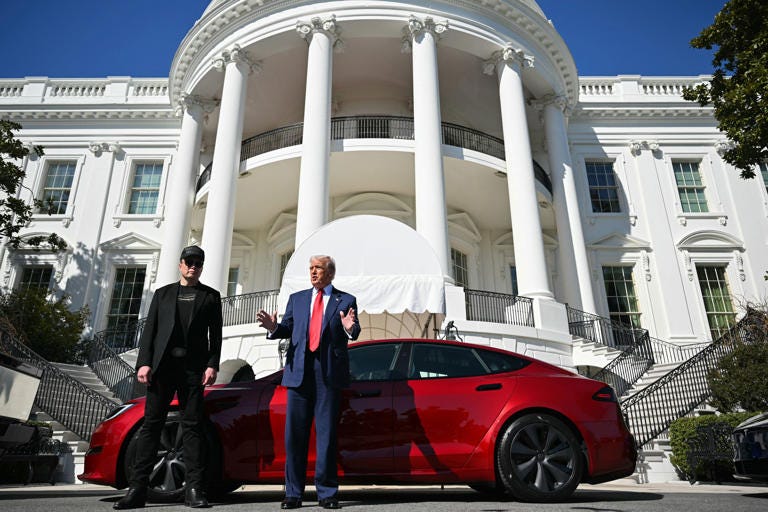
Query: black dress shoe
[[195, 498], [289, 503], [330, 503], [136, 497]]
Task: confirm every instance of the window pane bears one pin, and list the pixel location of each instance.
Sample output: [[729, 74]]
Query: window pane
[[440, 361], [146, 188], [125, 304], [620, 294], [459, 263], [717, 298], [232, 279], [603, 187], [36, 278], [57, 185], [374, 362], [690, 188]]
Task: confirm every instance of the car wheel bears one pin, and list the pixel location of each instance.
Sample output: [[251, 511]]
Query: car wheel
[[539, 459], [167, 481]]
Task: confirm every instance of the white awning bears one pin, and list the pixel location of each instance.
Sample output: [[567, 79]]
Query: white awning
[[384, 263]]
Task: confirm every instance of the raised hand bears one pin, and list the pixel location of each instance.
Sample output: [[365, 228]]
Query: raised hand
[[267, 321], [348, 320]]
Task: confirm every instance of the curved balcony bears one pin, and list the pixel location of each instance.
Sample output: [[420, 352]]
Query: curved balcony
[[374, 127]]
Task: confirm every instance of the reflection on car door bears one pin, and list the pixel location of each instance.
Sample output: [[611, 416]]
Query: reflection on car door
[[445, 408], [367, 416]]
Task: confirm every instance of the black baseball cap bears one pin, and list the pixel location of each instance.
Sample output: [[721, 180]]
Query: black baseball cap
[[192, 251]]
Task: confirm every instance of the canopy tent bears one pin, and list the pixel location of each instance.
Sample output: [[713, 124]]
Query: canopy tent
[[387, 265]]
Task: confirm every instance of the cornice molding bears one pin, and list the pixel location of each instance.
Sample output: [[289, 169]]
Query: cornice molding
[[85, 115]]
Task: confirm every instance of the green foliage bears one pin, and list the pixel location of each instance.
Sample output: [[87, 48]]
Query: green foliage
[[740, 381], [682, 432], [46, 326], [739, 87], [15, 213]]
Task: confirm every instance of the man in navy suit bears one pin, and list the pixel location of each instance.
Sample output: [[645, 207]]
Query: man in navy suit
[[320, 322]]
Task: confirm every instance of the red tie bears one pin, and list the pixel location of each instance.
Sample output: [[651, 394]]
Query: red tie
[[316, 322]]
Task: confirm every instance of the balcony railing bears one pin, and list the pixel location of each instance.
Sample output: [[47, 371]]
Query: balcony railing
[[242, 309], [500, 308], [375, 127]]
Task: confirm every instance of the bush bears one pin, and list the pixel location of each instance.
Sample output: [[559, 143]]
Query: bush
[[46, 326], [740, 381], [682, 432]]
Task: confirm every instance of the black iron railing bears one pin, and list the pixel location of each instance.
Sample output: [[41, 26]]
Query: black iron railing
[[651, 410], [123, 337], [242, 309], [113, 371], [500, 308], [375, 127], [65, 399]]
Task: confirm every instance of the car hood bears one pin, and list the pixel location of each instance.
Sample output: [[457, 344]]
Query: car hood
[[761, 420]]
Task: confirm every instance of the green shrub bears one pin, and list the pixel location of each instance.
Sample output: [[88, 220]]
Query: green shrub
[[47, 326], [740, 380], [682, 432]]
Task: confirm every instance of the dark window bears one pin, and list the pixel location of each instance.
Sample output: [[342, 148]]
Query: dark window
[[430, 360], [499, 363], [126, 296], [372, 362], [36, 278], [603, 189]]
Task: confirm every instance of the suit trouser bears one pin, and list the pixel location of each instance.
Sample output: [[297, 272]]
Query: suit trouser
[[172, 377], [312, 399]]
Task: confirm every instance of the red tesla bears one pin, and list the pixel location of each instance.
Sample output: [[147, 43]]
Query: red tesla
[[417, 412]]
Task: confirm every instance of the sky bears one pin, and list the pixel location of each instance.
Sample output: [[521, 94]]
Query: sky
[[99, 38]]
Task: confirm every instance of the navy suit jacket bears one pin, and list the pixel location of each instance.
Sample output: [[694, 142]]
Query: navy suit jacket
[[333, 354]]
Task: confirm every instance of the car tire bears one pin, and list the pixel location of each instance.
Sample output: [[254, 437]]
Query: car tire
[[539, 459], [167, 482]]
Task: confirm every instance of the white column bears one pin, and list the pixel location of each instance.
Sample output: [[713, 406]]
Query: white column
[[180, 190], [431, 210], [220, 211], [573, 264], [526, 226], [312, 206]]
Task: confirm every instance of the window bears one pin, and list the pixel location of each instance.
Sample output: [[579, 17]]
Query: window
[[690, 187], [232, 278], [764, 172], [58, 185], [513, 276], [36, 278], [145, 188], [603, 189], [284, 258], [429, 361], [717, 299], [126, 296], [373, 362], [459, 263], [620, 293]]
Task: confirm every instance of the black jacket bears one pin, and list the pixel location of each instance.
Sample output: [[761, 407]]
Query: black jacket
[[203, 335]]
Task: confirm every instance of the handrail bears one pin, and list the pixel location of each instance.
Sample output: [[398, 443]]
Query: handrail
[[123, 337], [242, 309], [500, 308], [651, 410], [113, 371], [375, 127], [64, 398]]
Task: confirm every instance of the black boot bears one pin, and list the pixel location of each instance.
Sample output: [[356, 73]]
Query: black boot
[[136, 497], [195, 498]]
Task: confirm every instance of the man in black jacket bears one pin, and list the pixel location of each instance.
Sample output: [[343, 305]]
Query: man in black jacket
[[179, 353]]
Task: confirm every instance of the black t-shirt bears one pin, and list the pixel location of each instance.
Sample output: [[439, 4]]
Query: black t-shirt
[[185, 305]]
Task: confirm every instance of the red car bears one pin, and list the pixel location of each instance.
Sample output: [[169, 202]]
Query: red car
[[417, 412]]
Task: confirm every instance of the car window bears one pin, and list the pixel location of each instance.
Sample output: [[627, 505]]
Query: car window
[[499, 363], [372, 362], [430, 361]]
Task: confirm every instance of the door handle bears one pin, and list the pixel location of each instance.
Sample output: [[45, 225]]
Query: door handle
[[488, 387], [369, 393]]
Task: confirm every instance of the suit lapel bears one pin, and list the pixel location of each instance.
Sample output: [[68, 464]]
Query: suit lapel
[[332, 308]]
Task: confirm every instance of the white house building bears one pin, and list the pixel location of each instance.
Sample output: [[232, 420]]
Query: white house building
[[446, 153]]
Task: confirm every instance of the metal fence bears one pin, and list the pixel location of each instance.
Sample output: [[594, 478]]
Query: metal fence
[[123, 337], [65, 399], [113, 371], [375, 127], [242, 309], [500, 308], [680, 391]]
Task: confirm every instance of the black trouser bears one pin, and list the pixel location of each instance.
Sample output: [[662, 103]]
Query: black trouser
[[171, 378]]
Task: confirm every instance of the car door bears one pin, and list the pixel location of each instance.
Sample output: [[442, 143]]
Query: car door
[[367, 416], [444, 408]]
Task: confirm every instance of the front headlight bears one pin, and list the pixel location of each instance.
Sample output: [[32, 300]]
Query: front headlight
[[117, 411]]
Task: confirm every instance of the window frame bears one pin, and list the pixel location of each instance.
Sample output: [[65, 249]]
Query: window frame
[[113, 281], [39, 186], [638, 310], [714, 203], [132, 189], [37, 265], [702, 302], [617, 185], [129, 172]]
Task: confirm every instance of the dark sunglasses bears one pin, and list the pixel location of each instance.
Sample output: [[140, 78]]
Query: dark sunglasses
[[190, 262]]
